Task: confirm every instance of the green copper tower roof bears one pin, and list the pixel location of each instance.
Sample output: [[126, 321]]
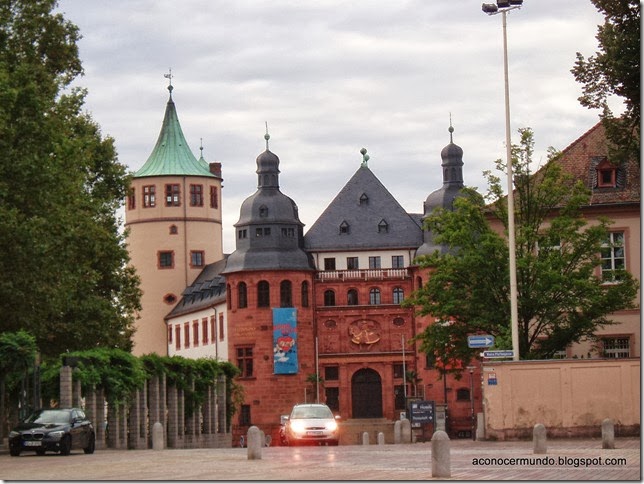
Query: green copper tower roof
[[171, 155]]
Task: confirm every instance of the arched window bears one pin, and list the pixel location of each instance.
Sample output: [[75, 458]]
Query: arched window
[[242, 295], [399, 295], [305, 294], [374, 296], [286, 294], [352, 297], [329, 298], [263, 294], [229, 297]]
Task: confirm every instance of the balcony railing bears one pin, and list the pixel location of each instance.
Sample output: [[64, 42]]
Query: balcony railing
[[363, 275]]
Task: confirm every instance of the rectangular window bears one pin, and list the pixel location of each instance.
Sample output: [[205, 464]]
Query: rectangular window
[[221, 327], [398, 370], [374, 262], [166, 259], [214, 198], [617, 347], [245, 361], [212, 330], [331, 373], [333, 398], [613, 257], [242, 234], [329, 263], [186, 334], [149, 196], [131, 199], [197, 258], [204, 331], [177, 339], [352, 264], [397, 262], [288, 232], [169, 334], [196, 195], [244, 416], [195, 333], [172, 195]]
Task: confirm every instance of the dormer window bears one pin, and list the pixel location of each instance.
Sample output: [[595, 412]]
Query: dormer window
[[344, 227], [606, 174], [383, 227], [364, 199], [263, 211]]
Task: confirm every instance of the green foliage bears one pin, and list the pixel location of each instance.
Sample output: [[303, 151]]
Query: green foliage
[[615, 70], [17, 358], [64, 260], [560, 300]]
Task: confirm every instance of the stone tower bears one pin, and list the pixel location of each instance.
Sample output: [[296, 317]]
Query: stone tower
[[175, 228]]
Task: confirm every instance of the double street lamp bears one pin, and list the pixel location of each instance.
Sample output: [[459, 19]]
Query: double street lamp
[[503, 7]]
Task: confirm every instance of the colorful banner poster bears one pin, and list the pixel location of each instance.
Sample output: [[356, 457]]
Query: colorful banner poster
[[285, 341]]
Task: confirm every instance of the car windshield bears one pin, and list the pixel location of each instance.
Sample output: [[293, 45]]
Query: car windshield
[[50, 417], [312, 412]]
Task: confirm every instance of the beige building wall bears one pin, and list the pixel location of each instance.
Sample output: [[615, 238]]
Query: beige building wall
[[179, 230], [570, 397]]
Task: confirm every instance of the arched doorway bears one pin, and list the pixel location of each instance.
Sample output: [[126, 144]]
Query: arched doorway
[[366, 394]]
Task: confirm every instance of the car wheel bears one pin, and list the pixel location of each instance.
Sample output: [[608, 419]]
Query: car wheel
[[14, 451], [66, 445], [90, 445], [40, 452]]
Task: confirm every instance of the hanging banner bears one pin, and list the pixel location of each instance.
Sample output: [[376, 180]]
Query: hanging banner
[[285, 341]]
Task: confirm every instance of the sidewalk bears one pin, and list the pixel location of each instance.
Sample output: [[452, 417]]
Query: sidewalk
[[565, 460]]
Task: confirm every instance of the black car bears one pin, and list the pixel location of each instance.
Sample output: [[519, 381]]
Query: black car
[[55, 430]]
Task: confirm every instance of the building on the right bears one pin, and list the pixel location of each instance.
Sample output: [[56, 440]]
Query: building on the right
[[614, 195]]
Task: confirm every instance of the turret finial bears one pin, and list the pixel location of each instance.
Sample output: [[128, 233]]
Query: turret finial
[[267, 136], [169, 77], [365, 156], [450, 129]]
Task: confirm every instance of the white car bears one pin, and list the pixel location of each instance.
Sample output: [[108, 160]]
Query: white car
[[312, 423]]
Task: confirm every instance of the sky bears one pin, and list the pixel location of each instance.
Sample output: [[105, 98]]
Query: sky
[[330, 77]]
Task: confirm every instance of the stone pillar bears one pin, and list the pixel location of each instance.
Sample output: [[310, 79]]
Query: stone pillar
[[254, 443], [66, 386], [608, 434], [153, 402], [405, 426], [381, 438], [172, 427], [365, 438], [123, 432], [143, 417], [77, 398], [539, 439], [99, 421], [90, 406], [397, 432], [134, 423], [157, 436], [441, 460], [222, 421], [181, 418], [113, 426], [480, 426]]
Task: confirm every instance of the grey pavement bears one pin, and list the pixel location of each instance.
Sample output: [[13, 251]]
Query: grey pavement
[[579, 459]]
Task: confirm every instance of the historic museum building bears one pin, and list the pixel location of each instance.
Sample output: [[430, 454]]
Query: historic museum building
[[316, 315]]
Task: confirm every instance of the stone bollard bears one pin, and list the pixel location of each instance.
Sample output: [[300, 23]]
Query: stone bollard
[[254, 443], [157, 436], [441, 460], [539, 439], [365, 438], [608, 434], [381, 438], [405, 425], [397, 432]]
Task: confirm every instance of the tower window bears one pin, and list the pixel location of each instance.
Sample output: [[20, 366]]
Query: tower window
[[196, 195], [197, 258], [131, 199], [173, 195], [329, 298], [263, 294], [242, 295], [263, 211], [305, 294], [242, 234], [166, 259], [214, 197], [149, 196], [245, 360], [286, 294]]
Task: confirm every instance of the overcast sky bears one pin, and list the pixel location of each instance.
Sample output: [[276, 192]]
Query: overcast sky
[[331, 77]]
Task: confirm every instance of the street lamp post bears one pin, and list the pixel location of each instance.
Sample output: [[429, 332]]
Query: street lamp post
[[503, 7], [471, 370]]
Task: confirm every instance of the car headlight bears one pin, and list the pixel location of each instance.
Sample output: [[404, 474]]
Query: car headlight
[[332, 426], [56, 435], [297, 427], [13, 434]]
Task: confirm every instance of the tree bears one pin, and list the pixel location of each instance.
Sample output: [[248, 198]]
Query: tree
[[64, 268], [560, 299], [615, 70]]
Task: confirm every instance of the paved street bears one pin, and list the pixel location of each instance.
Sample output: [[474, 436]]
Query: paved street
[[565, 460]]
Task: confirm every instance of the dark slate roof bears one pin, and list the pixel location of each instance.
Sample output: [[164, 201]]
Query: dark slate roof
[[208, 289], [378, 207]]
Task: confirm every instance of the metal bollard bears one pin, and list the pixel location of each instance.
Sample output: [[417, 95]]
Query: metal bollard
[[441, 460], [608, 434], [539, 439], [255, 442]]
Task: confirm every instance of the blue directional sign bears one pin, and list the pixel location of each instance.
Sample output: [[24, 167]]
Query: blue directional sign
[[499, 354], [480, 341]]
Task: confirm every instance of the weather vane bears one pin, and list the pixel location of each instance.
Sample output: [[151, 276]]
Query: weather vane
[[169, 77]]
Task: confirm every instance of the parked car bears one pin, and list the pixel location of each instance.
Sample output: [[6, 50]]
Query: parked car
[[54, 430], [311, 423]]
